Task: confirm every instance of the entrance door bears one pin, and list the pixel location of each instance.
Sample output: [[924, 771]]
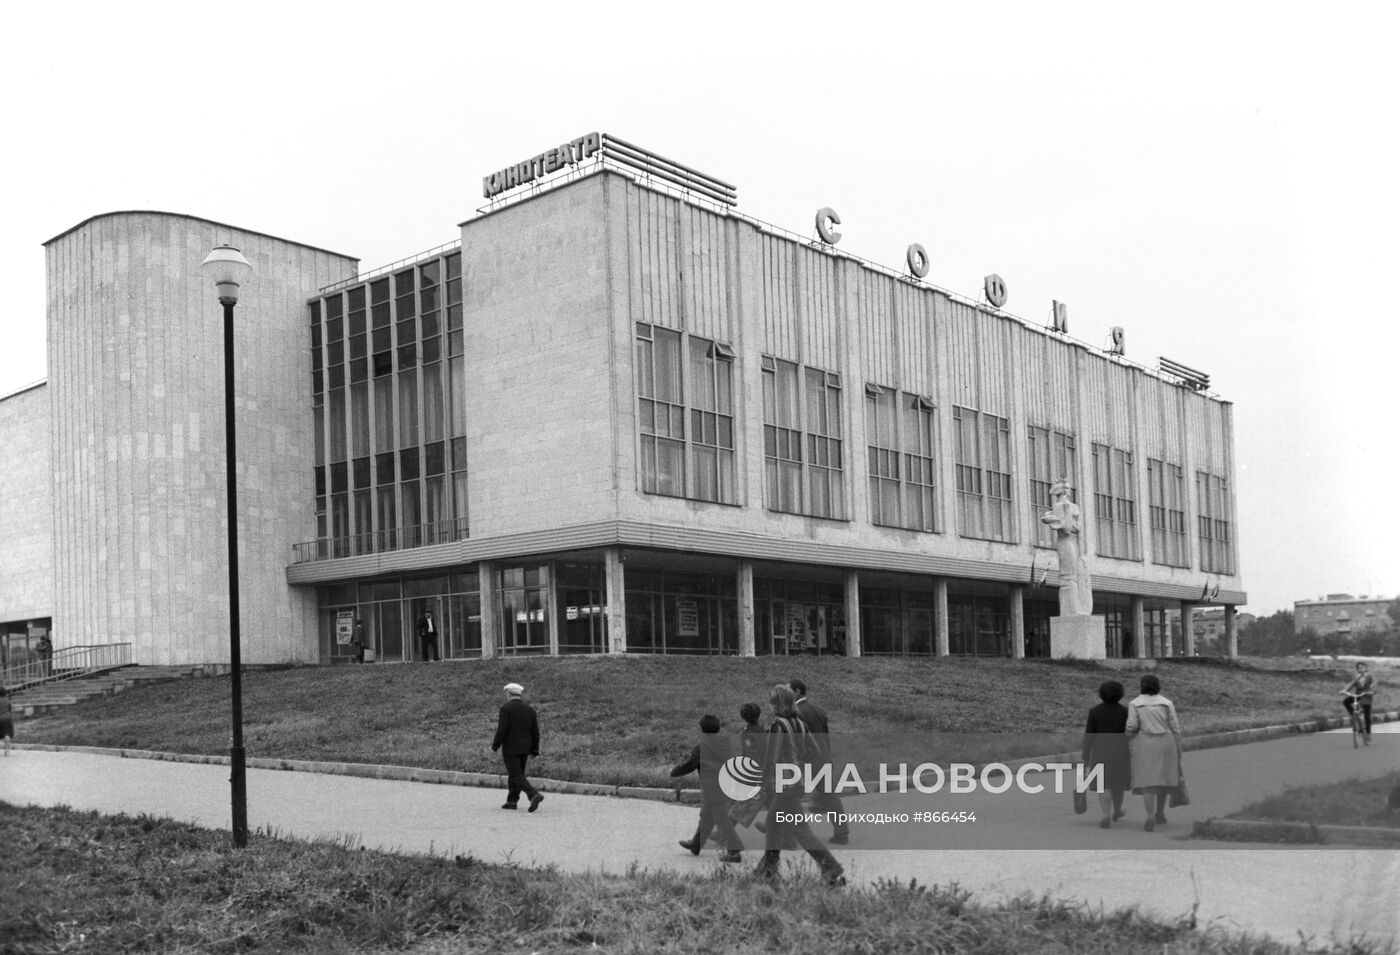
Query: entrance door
[[415, 610], [389, 632]]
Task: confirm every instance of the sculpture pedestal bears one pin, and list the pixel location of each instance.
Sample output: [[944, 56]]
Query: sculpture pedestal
[[1080, 637]]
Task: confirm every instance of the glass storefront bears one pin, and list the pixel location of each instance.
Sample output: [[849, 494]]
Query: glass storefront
[[523, 597], [899, 622], [681, 613], [1037, 614], [979, 626], [799, 616], [690, 613], [1159, 635], [19, 648], [583, 618], [1117, 622], [391, 612]]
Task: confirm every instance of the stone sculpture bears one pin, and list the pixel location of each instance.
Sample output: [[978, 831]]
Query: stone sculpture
[[1076, 591]]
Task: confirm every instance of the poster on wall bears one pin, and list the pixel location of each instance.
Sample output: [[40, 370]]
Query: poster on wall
[[797, 631], [344, 627], [687, 617]]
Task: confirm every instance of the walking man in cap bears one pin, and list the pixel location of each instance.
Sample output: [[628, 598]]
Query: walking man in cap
[[518, 738]]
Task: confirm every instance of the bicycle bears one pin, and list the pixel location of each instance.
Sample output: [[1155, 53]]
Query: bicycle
[[1359, 736]]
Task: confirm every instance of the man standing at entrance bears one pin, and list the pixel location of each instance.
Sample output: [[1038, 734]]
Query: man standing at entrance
[[815, 718], [428, 636], [44, 648], [518, 738]]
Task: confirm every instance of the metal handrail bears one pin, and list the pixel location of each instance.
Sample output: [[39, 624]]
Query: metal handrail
[[379, 542], [68, 663]]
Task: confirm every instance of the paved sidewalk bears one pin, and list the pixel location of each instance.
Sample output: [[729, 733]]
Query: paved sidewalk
[[1320, 893]]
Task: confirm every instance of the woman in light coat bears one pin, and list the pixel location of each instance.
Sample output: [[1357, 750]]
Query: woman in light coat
[[1154, 736]]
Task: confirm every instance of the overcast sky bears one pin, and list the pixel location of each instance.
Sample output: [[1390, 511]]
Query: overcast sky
[[1221, 184]]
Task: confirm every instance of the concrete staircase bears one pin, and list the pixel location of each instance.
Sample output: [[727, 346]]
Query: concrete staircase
[[51, 696]]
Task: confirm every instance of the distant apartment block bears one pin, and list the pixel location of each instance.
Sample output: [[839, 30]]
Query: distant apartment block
[[1342, 614]]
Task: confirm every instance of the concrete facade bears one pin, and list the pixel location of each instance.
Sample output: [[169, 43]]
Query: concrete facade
[[540, 402], [137, 437], [26, 508], [555, 288], [533, 328]]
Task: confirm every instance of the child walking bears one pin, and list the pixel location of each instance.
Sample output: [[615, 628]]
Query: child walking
[[707, 757]]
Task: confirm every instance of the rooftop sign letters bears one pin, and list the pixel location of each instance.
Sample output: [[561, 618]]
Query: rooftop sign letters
[[551, 160]]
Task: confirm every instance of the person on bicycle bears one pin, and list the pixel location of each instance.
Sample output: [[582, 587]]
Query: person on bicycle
[[1361, 690]]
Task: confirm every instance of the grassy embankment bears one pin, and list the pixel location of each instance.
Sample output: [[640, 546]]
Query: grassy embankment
[[1350, 803], [81, 884], [627, 720]]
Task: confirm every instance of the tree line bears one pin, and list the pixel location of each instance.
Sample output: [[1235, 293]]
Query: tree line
[[1276, 636]]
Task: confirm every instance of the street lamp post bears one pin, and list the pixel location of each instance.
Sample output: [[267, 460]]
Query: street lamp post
[[227, 268]]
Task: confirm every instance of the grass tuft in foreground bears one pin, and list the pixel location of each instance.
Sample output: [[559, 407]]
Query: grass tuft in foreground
[[79, 883]]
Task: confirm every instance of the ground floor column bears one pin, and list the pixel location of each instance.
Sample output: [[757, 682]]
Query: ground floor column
[[940, 615], [1188, 628], [490, 609], [616, 590], [745, 588], [551, 602], [852, 614], [1018, 622], [1232, 636], [1139, 614]]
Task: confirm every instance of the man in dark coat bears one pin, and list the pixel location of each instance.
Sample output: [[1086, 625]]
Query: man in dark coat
[[428, 636], [518, 738], [815, 718]]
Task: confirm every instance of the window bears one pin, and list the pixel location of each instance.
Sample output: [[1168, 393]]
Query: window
[[1115, 503], [1052, 459], [1166, 513], [408, 408], [459, 484], [698, 464], [712, 421], [383, 410], [661, 410], [433, 411], [384, 415], [782, 437], [335, 424], [824, 459], [359, 419], [803, 456], [899, 427], [379, 303], [1213, 523], [982, 465]]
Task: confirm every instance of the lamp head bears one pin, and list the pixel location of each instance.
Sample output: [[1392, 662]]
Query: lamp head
[[227, 269]]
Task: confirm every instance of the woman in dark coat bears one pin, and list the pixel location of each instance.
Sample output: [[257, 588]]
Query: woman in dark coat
[[1106, 746]]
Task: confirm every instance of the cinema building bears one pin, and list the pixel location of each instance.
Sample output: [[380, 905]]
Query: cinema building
[[616, 416]]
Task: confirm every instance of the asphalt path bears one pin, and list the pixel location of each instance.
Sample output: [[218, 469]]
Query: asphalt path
[[1021, 842]]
